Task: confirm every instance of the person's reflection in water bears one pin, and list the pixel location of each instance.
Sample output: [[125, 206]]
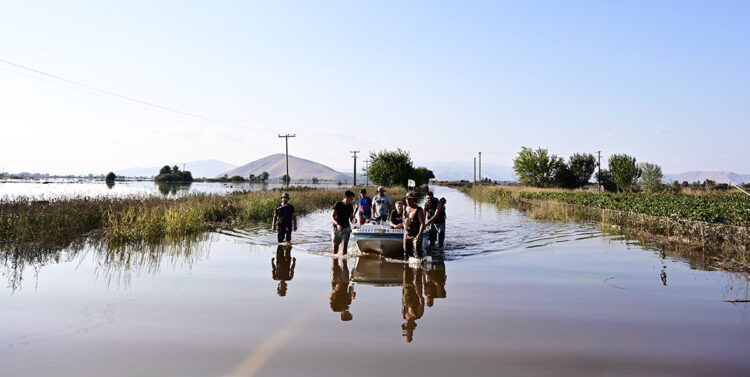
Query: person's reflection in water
[[342, 294], [412, 301], [434, 285], [282, 267]]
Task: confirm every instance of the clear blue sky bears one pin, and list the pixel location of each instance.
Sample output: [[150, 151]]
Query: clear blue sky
[[665, 81]]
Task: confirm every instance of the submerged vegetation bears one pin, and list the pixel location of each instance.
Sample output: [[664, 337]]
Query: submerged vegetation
[[718, 223], [149, 219]]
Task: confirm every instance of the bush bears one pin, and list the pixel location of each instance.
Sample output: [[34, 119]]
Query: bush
[[110, 177]]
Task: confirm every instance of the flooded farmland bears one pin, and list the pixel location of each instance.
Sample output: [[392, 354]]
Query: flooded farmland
[[509, 296]]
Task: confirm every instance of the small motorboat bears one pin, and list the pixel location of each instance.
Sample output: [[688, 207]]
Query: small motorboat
[[379, 238]]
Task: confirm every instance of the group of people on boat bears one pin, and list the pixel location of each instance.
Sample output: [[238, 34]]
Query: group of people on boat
[[406, 215]]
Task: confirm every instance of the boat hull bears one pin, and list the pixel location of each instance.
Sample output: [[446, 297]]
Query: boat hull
[[387, 245]]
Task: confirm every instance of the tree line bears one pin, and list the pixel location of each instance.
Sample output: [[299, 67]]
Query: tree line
[[539, 168]]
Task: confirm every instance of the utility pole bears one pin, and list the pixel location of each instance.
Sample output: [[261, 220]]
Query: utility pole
[[286, 137], [480, 166], [367, 172], [599, 174], [475, 170], [354, 153]]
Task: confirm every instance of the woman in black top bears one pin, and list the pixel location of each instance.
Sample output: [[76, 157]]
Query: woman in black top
[[397, 216]]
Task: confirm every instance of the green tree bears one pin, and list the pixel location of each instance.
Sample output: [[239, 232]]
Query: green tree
[[535, 167], [110, 177], [264, 176], [390, 168], [709, 184], [175, 169], [624, 171], [422, 175], [285, 178], [676, 187], [165, 170], [315, 180], [605, 178], [651, 176], [582, 166]]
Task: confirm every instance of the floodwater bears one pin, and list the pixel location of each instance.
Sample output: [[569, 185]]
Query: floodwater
[[71, 188], [509, 296]]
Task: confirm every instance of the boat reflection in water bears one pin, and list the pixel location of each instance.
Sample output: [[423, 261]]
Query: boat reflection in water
[[421, 285], [282, 267]]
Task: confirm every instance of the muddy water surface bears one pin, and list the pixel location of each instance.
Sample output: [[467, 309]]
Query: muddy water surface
[[509, 296]]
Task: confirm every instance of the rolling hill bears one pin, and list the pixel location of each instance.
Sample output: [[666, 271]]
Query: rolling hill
[[299, 168]]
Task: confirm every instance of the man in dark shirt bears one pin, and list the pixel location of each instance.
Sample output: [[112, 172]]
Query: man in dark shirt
[[397, 216], [284, 219], [435, 213], [342, 216]]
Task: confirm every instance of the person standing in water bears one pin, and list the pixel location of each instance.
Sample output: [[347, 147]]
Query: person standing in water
[[413, 227], [342, 216], [435, 213], [381, 204], [285, 219]]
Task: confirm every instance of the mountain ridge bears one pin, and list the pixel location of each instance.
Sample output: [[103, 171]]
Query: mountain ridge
[[199, 168]]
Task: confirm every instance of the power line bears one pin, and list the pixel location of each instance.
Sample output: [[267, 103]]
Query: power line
[[123, 97]]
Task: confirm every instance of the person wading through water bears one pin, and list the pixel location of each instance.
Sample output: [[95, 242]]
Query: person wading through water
[[285, 219], [413, 227], [435, 210], [342, 216]]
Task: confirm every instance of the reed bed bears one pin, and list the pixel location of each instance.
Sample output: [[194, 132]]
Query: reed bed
[[150, 219]]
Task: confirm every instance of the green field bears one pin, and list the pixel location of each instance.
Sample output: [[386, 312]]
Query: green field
[[730, 209]]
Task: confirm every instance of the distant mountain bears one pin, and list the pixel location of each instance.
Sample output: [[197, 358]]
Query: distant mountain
[[299, 168], [700, 176], [199, 169], [458, 170]]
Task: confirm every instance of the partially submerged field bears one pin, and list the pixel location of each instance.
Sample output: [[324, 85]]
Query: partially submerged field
[[718, 224], [150, 219]]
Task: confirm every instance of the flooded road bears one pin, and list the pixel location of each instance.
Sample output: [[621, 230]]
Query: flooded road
[[509, 296]]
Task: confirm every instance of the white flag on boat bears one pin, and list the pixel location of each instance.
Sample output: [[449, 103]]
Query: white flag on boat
[[411, 183]]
